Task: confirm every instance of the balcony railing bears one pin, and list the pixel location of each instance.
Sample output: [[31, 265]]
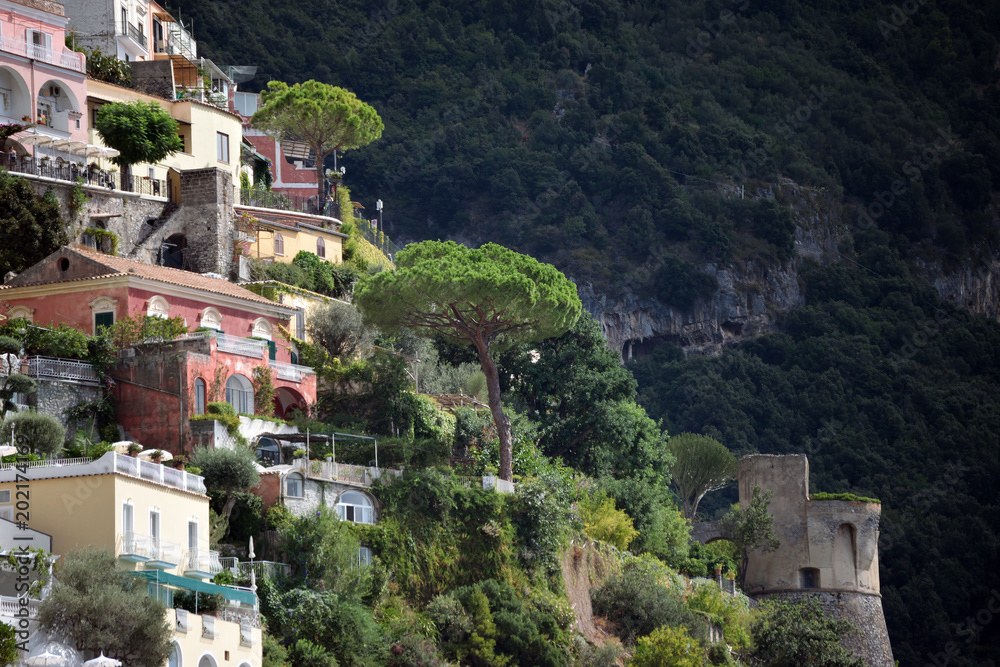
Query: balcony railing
[[275, 200], [71, 171], [10, 607], [62, 58], [137, 36], [246, 347], [135, 547], [290, 372], [154, 472], [262, 568], [163, 554], [204, 561], [61, 369], [343, 472]]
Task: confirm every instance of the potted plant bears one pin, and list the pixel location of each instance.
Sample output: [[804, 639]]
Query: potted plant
[[179, 462], [133, 449], [156, 455]]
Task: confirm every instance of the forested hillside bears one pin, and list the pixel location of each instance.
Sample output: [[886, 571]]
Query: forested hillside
[[614, 139]]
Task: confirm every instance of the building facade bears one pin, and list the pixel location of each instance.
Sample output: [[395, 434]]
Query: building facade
[[159, 387], [155, 520]]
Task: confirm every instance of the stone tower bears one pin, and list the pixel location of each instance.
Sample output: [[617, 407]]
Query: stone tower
[[829, 551]]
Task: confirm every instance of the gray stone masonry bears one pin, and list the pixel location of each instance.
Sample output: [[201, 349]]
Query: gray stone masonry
[[154, 77], [55, 397]]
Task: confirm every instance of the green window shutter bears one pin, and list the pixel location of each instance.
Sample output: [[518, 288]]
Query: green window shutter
[[103, 321], [272, 350]]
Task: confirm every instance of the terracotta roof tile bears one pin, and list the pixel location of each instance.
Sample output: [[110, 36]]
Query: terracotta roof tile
[[120, 266]]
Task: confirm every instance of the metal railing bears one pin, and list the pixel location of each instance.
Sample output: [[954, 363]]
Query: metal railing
[[62, 58], [246, 347], [165, 551], [343, 472], [137, 36], [290, 372], [61, 369], [262, 568], [300, 203], [71, 171], [135, 544], [204, 560]]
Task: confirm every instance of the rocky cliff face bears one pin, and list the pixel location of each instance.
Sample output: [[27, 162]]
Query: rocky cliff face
[[752, 295]]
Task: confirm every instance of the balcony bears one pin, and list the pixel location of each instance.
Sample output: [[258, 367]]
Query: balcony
[[53, 368], [63, 58], [203, 564], [344, 472], [157, 473], [163, 555], [137, 36], [290, 372], [134, 547], [246, 347]]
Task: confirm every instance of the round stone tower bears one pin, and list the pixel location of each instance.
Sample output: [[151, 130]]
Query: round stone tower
[[829, 551]]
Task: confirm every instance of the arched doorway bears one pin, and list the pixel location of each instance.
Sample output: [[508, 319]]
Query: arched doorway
[[172, 251], [287, 401], [57, 107]]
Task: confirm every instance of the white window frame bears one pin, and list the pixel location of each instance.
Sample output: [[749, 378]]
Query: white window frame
[[301, 482], [222, 147]]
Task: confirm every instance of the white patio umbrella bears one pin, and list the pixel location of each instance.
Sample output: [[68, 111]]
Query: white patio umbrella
[[121, 447], [45, 660], [103, 661]]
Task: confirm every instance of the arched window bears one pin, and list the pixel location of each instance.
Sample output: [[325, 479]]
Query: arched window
[[211, 319], [239, 394], [207, 660], [321, 247], [279, 244], [157, 307], [175, 659], [293, 486], [199, 396], [261, 329], [356, 507]]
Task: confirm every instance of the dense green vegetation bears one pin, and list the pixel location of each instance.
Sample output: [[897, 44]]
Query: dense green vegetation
[[603, 135], [892, 395]]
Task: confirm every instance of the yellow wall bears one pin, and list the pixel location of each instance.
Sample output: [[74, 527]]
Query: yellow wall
[[80, 511], [296, 240], [193, 645], [204, 121]]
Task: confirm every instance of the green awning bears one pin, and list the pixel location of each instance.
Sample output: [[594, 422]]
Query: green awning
[[166, 579]]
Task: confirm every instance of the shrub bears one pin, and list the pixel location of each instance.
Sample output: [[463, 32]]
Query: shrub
[[430, 421], [42, 433], [798, 633], [344, 627], [274, 654], [643, 597], [306, 654], [601, 521], [668, 646]]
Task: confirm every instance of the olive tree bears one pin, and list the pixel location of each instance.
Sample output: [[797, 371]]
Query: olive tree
[[40, 432], [98, 607], [490, 298], [227, 471]]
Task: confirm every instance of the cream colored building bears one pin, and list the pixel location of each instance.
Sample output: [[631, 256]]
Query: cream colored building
[[211, 135], [156, 521]]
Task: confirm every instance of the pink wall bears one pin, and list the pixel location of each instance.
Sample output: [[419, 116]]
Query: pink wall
[[284, 173], [28, 70], [235, 322], [70, 308]]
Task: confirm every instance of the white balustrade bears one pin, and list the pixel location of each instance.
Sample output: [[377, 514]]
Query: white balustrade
[[290, 372], [61, 369], [246, 347], [63, 58]]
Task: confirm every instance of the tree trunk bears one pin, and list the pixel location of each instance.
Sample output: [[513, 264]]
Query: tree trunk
[[499, 418]]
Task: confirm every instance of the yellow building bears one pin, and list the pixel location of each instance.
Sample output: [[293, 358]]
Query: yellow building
[[277, 236], [155, 520], [211, 135]]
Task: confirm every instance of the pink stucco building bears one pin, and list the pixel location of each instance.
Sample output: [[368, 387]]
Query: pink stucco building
[[158, 388], [41, 80]]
